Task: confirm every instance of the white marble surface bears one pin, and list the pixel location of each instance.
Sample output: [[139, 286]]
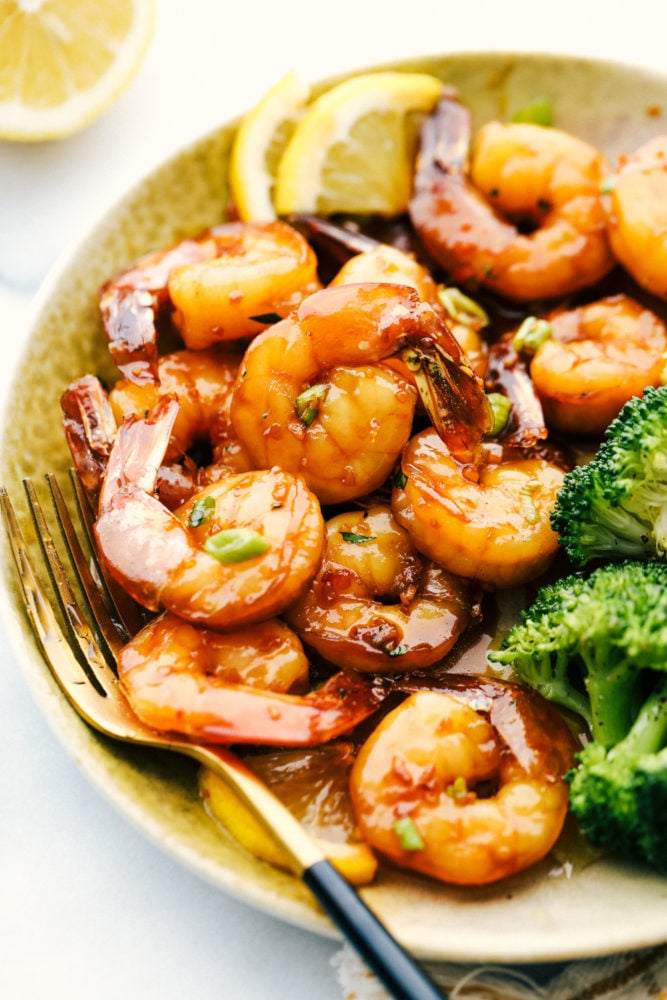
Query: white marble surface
[[88, 907]]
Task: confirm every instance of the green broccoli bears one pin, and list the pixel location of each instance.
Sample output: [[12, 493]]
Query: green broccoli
[[597, 645], [616, 506]]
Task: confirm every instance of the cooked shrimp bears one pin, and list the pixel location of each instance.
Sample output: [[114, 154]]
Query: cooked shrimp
[[487, 521], [385, 263], [597, 357], [311, 397], [637, 215], [375, 605], [237, 687], [202, 382], [237, 552], [465, 784], [226, 283], [521, 176]]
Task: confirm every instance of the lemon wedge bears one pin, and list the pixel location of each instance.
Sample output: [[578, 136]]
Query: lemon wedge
[[64, 62], [259, 144], [353, 149]]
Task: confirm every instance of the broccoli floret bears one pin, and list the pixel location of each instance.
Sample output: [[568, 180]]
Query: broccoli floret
[[619, 796], [616, 506], [597, 645]]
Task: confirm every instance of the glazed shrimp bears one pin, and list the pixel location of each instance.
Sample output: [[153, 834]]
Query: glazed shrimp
[[465, 784], [311, 397], [375, 605], [471, 220], [220, 285], [489, 522], [597, 357], [237, 552], [237, 687], [202, 382], [637, 215]]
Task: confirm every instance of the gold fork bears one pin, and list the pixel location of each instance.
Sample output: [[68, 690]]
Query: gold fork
[[82, 660]]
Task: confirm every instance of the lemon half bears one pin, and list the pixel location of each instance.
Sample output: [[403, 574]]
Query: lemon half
[[353, 149], [64, 62]]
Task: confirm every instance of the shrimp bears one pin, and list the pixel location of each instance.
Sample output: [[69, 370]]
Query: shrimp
[[521, 176], [202, 382], [311, 397], [465, 784], [237, 552], [228, 282], [375, 605], [237, 687], [489, 521], [637, 215], [597, 357]]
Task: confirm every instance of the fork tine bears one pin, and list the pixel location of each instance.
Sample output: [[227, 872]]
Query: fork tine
[[93, 659], [103, 620], [129, 615]]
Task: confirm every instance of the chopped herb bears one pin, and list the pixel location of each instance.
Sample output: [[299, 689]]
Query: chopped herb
[[202, 511], [397, 651], [501, 407], [462, 308], [409, 836], [531, 335], [307, 404], [267, 318], [352, 536], [400, 480], [607, 184], [538, 112], [234, 545], [458, 788]]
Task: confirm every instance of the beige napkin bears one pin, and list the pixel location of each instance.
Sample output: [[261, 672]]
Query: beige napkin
[[640, 975]]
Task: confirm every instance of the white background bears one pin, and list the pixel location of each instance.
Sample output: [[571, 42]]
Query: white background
[[89, 907]]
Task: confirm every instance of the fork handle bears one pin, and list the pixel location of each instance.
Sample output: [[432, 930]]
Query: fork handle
[[400, 974]]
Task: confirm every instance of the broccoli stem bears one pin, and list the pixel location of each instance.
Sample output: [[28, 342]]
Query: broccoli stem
[[613, 691], [649, 731]]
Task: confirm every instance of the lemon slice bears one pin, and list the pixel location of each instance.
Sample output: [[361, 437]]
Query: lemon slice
[[353, 149], [63, 62], [259, 144]]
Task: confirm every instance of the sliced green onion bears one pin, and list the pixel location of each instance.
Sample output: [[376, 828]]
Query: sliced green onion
[[538, 112], [462, 308], [501, 407], [233, 545], [458, 788], [408, 835], [352, 536], [527, 498], [397, 651], [202, 511], [400, 480], [307, 404], [608, 183], [531, 335]]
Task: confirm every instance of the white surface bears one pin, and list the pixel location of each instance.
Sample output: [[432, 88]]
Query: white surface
[[88, 907]]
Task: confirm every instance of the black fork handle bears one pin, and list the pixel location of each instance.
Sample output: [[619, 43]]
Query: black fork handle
[[397, 970]]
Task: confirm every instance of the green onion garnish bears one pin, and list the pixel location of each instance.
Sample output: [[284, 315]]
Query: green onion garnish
[[233, 545], [531, 335], [538, 112], [307, 404], [352, 536], [501, 407], [408, 835], [202, 511]]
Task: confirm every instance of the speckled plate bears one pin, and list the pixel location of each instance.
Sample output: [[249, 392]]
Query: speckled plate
[[567, 907]]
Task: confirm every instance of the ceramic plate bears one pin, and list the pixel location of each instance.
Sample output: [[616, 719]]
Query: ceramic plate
[[567, 907]]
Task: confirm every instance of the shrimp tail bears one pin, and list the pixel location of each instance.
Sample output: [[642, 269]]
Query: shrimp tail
[[90, 430], [139, 450], [452, 395], [128, 316], [444, 143]]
